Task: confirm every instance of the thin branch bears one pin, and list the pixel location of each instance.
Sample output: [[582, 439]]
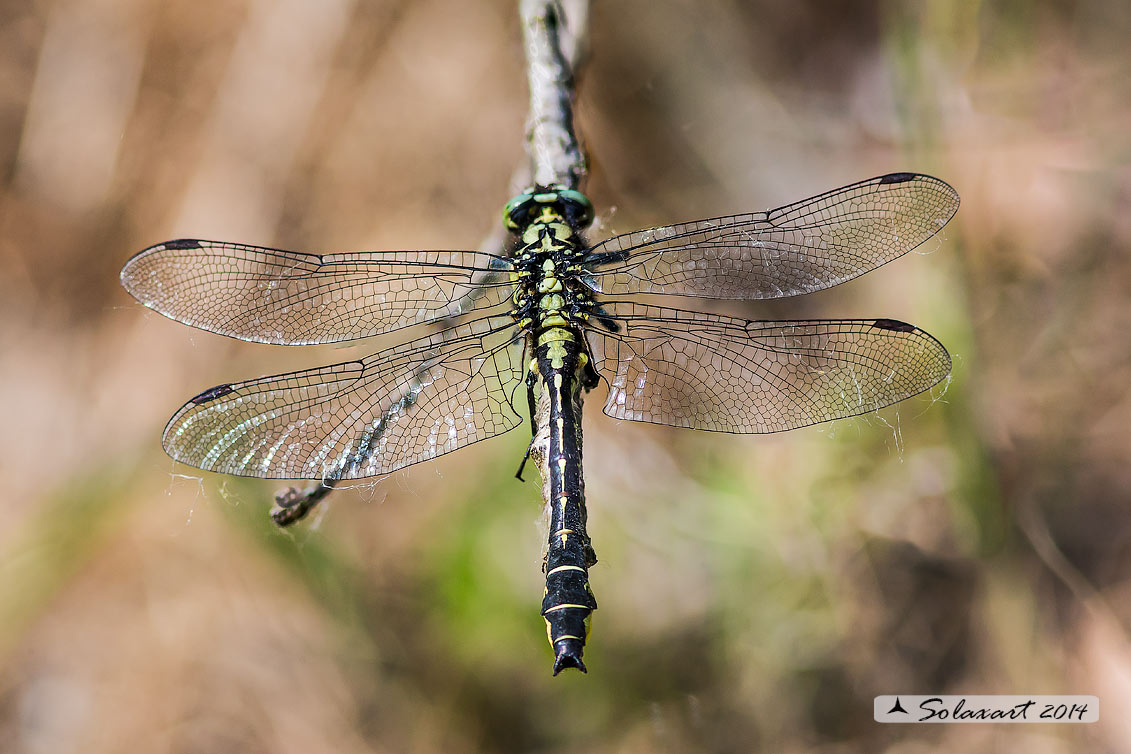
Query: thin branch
[[553, 33], [292, 505]]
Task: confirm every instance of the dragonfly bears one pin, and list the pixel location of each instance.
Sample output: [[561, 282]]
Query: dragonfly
[[554, 317]]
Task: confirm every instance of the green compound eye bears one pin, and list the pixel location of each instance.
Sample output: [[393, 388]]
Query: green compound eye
[[579, 208], [515, 211], [572, 205]]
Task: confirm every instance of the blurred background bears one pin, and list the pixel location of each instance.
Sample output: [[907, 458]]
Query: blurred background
[[755, 592]]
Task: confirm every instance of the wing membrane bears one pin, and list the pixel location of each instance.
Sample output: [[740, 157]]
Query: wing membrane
[[799, 248], [362, 418], [291, 298], [705, 371]]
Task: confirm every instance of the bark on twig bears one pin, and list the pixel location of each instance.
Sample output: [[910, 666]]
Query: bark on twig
[[553, 35]]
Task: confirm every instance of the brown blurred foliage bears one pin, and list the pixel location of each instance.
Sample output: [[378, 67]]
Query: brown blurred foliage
[[755, 592]]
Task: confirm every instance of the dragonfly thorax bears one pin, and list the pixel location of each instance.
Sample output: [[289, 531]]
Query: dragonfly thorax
[[549, 288]]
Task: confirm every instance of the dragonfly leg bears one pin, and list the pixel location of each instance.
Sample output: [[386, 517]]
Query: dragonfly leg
[[531, 381], [522, 463]]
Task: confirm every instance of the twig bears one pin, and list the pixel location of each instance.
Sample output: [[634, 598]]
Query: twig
[[553, 33], [292, 505]]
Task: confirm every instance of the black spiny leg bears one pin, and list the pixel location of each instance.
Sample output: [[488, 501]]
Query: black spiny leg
[[589, 376], [531, 380]]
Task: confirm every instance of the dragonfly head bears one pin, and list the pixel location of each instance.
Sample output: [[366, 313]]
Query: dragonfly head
[[548, 203]]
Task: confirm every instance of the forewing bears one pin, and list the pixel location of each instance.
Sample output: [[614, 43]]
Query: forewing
[[286, 297], [799, 248], [704, 371], [362, 418]]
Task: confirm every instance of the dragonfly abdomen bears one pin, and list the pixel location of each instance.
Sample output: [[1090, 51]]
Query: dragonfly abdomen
[[568, 602]]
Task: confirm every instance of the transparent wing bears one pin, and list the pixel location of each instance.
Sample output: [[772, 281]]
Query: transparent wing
[[799, 248], [705, 371], [291, 298], [362, 418]]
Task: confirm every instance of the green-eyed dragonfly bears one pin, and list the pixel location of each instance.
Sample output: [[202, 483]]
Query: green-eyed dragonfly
[[554, 316]]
